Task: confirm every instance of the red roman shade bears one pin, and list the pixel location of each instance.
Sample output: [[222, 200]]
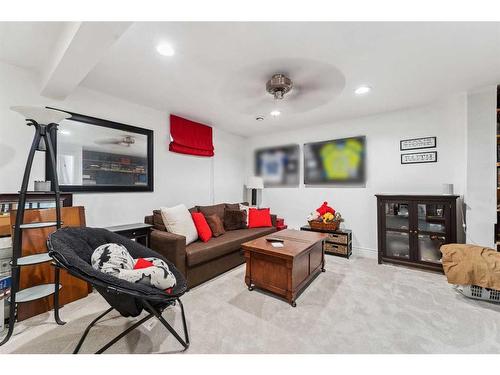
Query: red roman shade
[[189, 137]]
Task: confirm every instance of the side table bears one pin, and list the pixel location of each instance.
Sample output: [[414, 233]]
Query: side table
[[138, 232]]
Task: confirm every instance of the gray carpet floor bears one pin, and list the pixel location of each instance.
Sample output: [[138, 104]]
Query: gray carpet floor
[[357, 306]]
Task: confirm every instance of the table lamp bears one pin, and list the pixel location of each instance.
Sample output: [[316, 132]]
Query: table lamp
[[254, 183]]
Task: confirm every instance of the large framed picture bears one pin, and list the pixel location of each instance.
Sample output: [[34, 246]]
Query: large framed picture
[[338, 161], [419, 157], [96, 155], [278, 166], [417, 143]]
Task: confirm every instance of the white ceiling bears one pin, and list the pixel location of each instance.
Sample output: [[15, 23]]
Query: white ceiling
[[219, 71], [28, 44]]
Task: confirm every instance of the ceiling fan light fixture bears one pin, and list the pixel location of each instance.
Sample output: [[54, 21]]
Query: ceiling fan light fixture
[[165, 49], [279, 85], [362, 90]]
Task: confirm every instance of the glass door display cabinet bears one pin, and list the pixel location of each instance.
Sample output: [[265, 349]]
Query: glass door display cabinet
[[412, 228]]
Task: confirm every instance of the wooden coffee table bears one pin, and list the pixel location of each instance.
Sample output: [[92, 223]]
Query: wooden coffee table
[[285, 271]]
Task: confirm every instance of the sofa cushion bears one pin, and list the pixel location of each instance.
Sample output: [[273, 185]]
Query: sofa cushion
[[199, 252], [259, 217], [178, 220], [244, 207], [217, 209], [232, 206], [215, 224], [234, 219], [202, 227], [236, 206], [158, 220]]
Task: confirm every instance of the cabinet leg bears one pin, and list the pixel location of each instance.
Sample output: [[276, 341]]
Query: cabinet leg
[[294, 304]]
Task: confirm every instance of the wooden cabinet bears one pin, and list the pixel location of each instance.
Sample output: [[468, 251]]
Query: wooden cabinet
[[412, 228]]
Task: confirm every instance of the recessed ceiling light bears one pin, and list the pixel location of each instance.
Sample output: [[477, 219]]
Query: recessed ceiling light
[[275, 113], [165, 49], [362, 90]]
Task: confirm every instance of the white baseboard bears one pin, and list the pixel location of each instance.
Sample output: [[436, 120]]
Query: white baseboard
[[365, 252]]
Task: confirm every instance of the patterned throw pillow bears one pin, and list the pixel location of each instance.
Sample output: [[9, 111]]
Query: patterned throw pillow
[[245, 207], [115, 260]]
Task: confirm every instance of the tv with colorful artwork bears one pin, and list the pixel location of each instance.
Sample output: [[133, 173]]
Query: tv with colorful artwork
[[278, 166], [339, 161]]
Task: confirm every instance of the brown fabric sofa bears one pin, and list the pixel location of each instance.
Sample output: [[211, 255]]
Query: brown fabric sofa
[[201, 261]]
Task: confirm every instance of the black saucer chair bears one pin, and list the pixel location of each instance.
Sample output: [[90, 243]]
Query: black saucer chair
[[72, 248]]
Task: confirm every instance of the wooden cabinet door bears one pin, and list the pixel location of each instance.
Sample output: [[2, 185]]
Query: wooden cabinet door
[[431, 230], [396, 226]]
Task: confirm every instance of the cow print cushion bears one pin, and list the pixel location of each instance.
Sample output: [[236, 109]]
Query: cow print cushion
[[115, 260]]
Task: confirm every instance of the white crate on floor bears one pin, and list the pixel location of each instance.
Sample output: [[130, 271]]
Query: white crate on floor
[[478, 292]]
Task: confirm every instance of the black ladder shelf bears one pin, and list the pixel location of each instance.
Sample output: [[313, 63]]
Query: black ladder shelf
[[41, 142]]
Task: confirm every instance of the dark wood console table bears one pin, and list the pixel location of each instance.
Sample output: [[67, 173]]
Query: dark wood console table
[[138, 232]]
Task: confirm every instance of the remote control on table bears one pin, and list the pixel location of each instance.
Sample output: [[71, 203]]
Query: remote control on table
[[270, 239]]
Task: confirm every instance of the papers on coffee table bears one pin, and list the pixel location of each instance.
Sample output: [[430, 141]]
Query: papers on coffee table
[[277, 244]]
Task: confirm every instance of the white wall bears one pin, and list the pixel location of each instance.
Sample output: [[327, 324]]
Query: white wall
[[481, 190], [445, 119], [177, 178]]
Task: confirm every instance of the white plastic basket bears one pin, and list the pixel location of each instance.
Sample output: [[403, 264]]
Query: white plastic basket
[[2, 316], [478, 292]]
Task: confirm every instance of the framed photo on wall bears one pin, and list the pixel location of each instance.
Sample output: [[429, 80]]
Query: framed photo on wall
[[419, 157], [278, 166], [417, 143]]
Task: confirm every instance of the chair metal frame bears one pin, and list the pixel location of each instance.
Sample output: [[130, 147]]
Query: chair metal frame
[[152, 313], [144, 299]]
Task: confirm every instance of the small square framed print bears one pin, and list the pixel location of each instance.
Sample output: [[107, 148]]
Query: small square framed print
[[419, 157], [417, 143]]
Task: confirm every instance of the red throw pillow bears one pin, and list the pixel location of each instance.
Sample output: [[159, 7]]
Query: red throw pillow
[[142, 263], [202, 227], [259, 217]]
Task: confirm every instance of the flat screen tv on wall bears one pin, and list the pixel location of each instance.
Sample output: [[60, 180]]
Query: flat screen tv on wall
[[339, 161], [278, 166]]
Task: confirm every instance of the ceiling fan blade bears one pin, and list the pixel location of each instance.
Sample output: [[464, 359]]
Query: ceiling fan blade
[[315, 83], [108, 141]]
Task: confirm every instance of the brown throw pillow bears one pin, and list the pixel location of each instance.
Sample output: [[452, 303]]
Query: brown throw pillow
[[215, 224], [235, 219], [214, 209]]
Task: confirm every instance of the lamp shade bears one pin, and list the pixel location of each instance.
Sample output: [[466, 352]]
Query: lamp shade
[[43, 116], [254, 182]]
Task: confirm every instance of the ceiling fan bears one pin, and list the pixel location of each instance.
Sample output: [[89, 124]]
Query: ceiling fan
[[279, 85], [125, 141], [291, 85]]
